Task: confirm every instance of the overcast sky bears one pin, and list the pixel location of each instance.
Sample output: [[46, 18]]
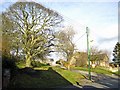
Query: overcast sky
[[100, 17]]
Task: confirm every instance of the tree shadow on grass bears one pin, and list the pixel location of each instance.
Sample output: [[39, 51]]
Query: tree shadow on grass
[[35, 79]]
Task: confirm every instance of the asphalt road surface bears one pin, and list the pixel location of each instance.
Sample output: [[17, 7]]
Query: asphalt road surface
[[98, 82]]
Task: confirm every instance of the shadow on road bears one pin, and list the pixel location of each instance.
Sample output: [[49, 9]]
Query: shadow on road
[[106, 80], [87, 87], [100, 80]]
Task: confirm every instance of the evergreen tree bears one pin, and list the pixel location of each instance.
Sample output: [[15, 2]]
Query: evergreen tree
[[116, 53]]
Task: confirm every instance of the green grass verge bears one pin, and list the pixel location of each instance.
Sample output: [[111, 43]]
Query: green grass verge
[[42, 68], [20, 64], [68, 75], [99, 70], [117, 73]]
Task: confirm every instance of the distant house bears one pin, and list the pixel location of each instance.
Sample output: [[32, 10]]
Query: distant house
[[81, 59], [113, 67], [100, 60], [113, 64]]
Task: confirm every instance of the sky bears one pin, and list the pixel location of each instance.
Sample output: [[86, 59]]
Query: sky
[[101, 18]]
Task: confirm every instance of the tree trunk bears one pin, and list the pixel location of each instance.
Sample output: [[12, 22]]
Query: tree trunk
[[68, 66], [28, 60], [69, 63]]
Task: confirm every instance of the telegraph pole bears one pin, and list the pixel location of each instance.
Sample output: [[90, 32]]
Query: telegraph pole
[[88, 53]]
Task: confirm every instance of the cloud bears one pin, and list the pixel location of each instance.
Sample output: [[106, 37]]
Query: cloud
[[2, 1], [105, 31], [107, 40]]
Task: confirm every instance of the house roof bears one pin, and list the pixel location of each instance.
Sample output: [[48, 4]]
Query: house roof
[[92, 57], [99, 57]]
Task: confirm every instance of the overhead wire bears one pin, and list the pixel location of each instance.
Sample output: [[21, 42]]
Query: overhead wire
[[80, 37], [70, 21]]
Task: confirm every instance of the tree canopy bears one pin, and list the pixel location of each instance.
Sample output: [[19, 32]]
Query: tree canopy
[[33, 29]]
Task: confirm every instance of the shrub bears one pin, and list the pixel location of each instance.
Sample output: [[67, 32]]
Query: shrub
[[8, 64], [65, 64], [39, 64]]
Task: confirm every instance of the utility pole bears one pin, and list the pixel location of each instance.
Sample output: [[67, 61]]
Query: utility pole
[[88, 53]]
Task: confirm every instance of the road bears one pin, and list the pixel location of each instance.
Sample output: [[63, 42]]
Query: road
[[99, 80]]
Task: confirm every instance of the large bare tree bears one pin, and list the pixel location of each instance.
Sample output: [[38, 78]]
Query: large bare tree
[[65, 43], [35, 28]]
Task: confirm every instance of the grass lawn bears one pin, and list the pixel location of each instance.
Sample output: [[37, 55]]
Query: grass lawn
[[68, 75], [72, 77], [117, 73], [45, 76], [99, 70], [20, 64]]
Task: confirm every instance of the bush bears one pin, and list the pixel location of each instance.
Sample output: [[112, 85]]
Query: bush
[[65, 64], [39, 64], [8, 62]]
